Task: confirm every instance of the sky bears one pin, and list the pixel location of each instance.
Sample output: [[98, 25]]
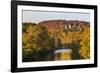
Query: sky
[[38, 16]]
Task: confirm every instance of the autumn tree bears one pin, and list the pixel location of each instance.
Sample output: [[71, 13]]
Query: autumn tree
[[26, 25], [85, 44], [36, 39]]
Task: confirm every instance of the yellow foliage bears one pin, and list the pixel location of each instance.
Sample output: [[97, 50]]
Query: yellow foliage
[[85, 44]]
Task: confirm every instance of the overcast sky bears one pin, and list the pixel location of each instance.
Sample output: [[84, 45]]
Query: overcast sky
[[38, 16]]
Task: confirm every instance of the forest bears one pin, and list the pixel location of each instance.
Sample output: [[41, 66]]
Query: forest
[[39, 41]]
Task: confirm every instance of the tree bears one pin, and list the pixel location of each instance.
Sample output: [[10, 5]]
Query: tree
[[26, 25], [36, 39], [85, 44]]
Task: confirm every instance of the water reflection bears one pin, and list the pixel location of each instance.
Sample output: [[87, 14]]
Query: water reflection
[[63, 54]]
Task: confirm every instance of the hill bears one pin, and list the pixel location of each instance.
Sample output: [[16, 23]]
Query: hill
[[59, 24]]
